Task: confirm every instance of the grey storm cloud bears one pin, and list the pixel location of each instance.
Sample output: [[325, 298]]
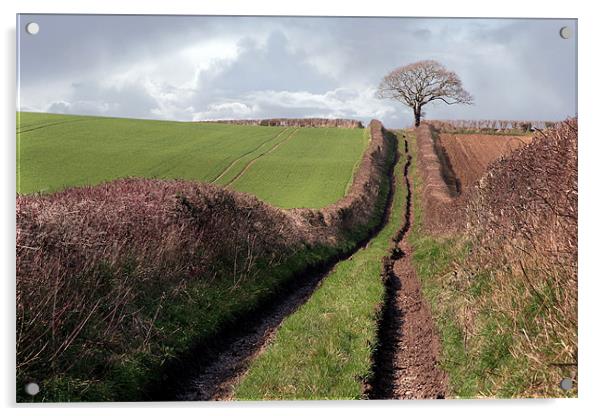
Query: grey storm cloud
[[202, 67], [271, 67]]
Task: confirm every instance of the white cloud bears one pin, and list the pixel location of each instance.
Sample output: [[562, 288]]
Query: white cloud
[[232, 110], [340, 102], [218, 67], [337, 103]]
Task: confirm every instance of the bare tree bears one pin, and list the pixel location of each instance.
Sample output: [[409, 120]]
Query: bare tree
[[419, 83]]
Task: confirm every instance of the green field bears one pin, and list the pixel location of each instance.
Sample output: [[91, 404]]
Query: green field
[[284, 166], [314, 163]]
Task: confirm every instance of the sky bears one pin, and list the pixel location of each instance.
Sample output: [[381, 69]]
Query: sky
[[192, 68]]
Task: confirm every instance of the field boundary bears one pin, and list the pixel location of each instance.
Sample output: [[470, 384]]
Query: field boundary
[[435, 170], [295, 122], [438, 195]]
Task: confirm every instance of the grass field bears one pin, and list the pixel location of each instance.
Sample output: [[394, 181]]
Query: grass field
[[324, 350], [302, 167], [307, 170]]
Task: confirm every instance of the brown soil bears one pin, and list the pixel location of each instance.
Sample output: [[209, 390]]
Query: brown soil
[[471, 154], [405, 362], [450, 166]]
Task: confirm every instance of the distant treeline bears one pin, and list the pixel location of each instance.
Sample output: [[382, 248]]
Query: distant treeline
[[504, 126], [296, 122]]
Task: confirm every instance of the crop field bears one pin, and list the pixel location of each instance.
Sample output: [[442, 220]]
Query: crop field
[[471, 154], [303, 167], [310, 169]]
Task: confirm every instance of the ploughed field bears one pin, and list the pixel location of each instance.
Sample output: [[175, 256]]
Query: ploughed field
[[286, 167], [471, 154]]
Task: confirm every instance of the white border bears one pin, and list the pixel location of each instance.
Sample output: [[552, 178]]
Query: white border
[[589, 174]]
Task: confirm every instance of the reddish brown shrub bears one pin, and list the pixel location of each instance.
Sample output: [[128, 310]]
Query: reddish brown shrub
[[69, 244], [530, 196]]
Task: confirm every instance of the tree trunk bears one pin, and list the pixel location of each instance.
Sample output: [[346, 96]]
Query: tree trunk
[[417, 113]]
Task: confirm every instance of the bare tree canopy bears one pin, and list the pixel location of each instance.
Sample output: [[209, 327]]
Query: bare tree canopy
[[422, 82]]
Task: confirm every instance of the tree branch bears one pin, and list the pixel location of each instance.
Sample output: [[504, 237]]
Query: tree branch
[[422, 82]]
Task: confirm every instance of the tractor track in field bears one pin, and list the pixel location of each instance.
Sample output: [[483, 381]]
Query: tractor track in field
[[38, 127], [252, 161], [234, 162], [405, 363], [210, 371]]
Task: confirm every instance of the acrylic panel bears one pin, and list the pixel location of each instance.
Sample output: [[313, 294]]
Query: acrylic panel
[[295, 208]]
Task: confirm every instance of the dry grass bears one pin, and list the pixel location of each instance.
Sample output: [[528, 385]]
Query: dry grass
[[503, 286], [523, 223]]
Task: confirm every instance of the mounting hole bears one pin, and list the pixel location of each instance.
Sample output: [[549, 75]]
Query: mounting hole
[[32, 389], [32, 28], [565, 32], [566, 384]]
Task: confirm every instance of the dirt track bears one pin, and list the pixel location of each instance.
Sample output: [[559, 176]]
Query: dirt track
[[216, 380], [209, 372], [405, 363]]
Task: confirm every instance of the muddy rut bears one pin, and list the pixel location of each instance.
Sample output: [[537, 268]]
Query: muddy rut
[[216, 380], [405, 363]]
